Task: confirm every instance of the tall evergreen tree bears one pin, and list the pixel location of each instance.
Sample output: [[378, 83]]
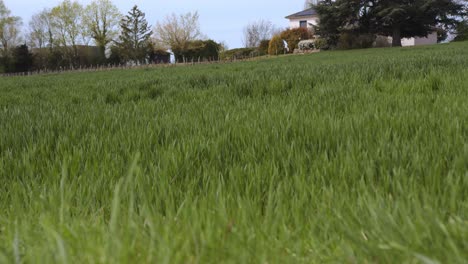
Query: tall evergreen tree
[[23, 59], [398, 18], [413, 18], [135, 39]]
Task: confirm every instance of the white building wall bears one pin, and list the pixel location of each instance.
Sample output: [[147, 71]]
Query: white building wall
[[295, 23], [407, 42], [430, 40]]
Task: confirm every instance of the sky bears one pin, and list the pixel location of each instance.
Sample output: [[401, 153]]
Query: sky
[[219, 20]]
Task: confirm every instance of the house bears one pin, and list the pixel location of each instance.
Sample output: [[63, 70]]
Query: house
[[304, 19], [309, 18]]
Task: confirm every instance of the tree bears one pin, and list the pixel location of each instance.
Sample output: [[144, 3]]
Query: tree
[[412, 18], [462, 31], [398, 19], [310, 3], [41, 33], [335, 18], [200, 50], [23, 59], [257, 31], [177, 31], [135, 39], [102, 18], [9, 29], [68, 28]]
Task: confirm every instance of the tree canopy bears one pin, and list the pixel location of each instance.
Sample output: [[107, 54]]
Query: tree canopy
[[135, 37], [102, 18], [397, 19], [9, 29]]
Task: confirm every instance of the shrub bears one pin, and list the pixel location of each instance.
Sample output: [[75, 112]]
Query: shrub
[[293, 36], [462, 32], [321, 44], [382, 42], [276, 46], [198, 50], [263, 48], [237, 53], [160, 56], [349, 40]]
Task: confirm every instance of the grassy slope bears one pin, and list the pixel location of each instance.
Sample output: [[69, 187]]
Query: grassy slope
[[341, 156]]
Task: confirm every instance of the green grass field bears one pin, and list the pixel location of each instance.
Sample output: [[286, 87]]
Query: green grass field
[[342, 157]]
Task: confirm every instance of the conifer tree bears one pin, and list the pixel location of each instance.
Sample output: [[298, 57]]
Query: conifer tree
[[135, 38]]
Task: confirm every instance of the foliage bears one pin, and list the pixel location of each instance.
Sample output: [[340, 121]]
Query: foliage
[[276, 46], [293, 36], [462, 31], [334, 157], [352, 41], [116, 55], [382, 42], [41, 31], [66, 21], [19, 59], [134, 41], [160, 56], [23, 59], [199, 50], [9, 30], [102, 18], [398, 19], [255, 32], [310, 3], [239, 53], [177, 31], [263, 47], [321, 44]]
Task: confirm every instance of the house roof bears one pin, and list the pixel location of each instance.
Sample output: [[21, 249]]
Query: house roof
[[306, 13]]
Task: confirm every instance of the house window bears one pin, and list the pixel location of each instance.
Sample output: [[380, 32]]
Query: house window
[[303, 24]]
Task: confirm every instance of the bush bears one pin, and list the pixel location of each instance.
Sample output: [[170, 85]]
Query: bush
[[293, 36], [462, 31], [160, 56], [237, 53], [382, 42], [276, 46], [350, 40], [198, 50], [263, 48], [321, 44]]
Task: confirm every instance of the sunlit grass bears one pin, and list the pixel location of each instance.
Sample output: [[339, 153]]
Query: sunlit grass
[[358, 156]]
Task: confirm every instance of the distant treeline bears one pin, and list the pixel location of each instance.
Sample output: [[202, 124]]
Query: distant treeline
[[71, 36]]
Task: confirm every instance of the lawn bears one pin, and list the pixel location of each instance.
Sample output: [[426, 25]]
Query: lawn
[[346, 157]]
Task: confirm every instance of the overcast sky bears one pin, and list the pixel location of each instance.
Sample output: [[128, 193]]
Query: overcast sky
[[220, 20]]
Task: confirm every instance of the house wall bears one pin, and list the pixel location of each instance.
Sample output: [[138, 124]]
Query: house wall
[[407, 42], [295, 23], [431, 39]]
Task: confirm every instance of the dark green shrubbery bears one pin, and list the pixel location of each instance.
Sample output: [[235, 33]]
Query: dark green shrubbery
[[238, 53], [199, 50], [350, 40], [294, 36], [19, 59], [462, 31], [263, 48]]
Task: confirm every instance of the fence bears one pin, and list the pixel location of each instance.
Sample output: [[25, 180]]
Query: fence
[[125, 67]]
